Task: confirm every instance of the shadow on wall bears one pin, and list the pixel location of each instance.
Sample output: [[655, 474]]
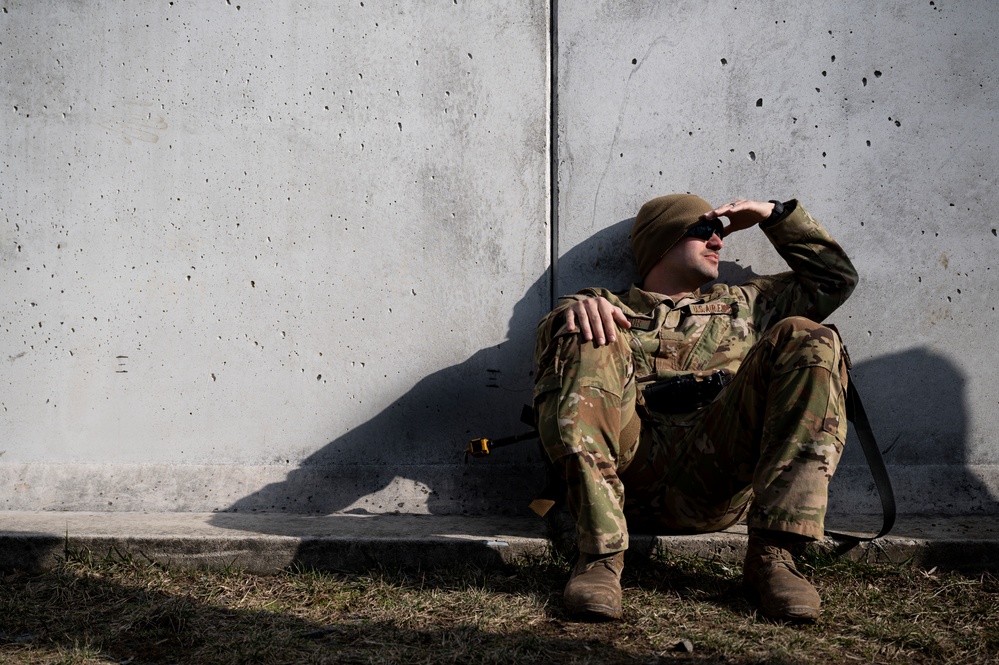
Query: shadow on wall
[[915, 401], [412, 451], [916, 404]]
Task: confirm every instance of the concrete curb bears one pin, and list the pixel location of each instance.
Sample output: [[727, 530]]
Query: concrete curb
[[268, 543]]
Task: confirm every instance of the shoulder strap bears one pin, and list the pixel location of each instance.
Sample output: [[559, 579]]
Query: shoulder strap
[[855, 413]]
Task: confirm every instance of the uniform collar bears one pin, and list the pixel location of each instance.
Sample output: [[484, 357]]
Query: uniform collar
[[646, 301]]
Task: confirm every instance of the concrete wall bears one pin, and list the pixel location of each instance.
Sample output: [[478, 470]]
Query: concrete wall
[[245, 238], [289, 256]]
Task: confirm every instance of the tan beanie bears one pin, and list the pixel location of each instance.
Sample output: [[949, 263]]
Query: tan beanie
[[661, 223]]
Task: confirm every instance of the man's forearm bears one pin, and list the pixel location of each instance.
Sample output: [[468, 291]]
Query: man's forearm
[[823, 275]]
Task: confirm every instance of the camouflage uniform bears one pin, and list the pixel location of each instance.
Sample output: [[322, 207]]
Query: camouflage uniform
[[764, 448]]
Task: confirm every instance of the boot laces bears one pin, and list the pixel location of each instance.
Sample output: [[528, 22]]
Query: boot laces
[[607, 561], [777, 557]]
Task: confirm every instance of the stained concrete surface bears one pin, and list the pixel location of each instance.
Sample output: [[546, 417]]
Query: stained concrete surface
[[267, 543]]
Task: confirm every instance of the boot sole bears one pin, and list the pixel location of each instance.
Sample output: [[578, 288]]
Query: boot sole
[[797, 614], [593, 612], [792, 614]]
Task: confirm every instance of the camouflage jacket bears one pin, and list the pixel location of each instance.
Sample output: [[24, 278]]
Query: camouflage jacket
[[707, 331]]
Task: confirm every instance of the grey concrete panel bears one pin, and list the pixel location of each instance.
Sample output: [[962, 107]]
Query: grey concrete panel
[[266, 236], [881, 117]]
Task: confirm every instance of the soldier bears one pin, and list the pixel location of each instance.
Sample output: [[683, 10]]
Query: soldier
[[763, 447]]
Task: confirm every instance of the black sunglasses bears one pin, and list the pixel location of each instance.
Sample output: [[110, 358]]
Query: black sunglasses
[[704, 229]]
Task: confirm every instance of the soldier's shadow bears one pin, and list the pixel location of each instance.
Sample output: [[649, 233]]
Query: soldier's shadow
[[408, 457], [410, 453]]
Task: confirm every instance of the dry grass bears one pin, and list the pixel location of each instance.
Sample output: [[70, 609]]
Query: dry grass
[[120, 610]]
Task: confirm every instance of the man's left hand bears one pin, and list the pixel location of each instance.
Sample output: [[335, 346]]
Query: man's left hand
[[742, 214]]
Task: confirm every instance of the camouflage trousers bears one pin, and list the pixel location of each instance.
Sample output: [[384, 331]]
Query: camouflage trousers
[[764, 449]]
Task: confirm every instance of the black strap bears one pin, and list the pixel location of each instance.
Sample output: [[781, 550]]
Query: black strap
[[861, 425]]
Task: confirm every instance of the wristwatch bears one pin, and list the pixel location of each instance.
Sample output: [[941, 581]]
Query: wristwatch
[[776, 215]]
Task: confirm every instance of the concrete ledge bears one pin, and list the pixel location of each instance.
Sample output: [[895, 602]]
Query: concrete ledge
[[266, 543]]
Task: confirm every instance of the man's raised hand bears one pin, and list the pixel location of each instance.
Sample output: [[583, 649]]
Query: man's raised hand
[[742, 214]]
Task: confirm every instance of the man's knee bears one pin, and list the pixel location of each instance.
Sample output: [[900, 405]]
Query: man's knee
[[798, 342], [795, 326]]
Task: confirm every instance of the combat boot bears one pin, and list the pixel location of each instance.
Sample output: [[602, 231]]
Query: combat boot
[[769, 574], [594, 590]]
